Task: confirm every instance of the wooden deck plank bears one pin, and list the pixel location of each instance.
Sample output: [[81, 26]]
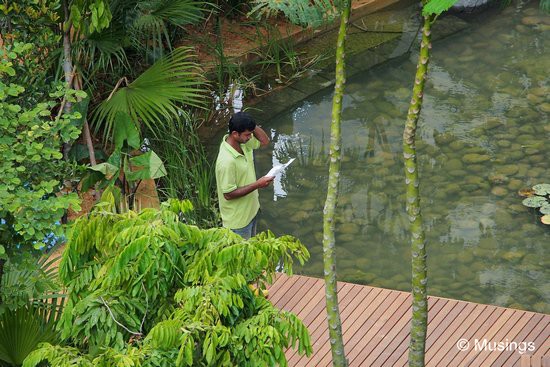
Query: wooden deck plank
[[388, 334], [463, 321], [527, 328], [345, 303], [402, 346], [510, 335], [479, 334], [298, 295], [376, 325], [379, 329], [500, 336], [318, 326], [436, 326], [489, 314], [356, 342], [540, 329]]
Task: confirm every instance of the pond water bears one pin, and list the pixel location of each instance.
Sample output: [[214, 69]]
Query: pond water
[[484, 135]]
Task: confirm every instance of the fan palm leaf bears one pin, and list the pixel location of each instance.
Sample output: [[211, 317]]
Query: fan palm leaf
[[30, 280], [21, 330], [157, 94], [101, 52]]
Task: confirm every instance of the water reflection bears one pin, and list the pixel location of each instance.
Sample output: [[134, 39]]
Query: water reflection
[[483, 135]]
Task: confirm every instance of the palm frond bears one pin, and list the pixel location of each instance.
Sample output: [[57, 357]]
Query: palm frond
[[101, 51], [156, 94], [305, 13], [30, 280], [21, 330], [180, 12], [150, 29]]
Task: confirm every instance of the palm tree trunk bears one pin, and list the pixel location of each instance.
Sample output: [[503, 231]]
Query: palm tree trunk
[[419, 320], [329, 254]]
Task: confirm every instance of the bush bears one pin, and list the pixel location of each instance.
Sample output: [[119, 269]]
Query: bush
[[147, 289]]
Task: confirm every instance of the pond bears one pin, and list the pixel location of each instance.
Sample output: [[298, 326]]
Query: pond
[[484, 135]]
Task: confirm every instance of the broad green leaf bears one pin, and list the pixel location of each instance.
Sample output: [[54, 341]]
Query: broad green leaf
[[106, 168], [542, 189], [148, 166], [82, 107], [125, 130], [436, 7], [534, 201], [545, 208]]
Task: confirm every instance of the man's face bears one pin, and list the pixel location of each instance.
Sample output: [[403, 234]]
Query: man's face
[[243, 137]]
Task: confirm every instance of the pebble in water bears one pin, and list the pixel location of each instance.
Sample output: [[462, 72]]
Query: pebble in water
[[483, 136]]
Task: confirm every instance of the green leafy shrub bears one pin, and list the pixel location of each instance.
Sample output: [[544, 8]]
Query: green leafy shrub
[[147, 289], [31, 163], [30, 306]]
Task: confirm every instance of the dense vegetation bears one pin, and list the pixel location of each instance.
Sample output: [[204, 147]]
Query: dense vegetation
[[147, 289], [96, 98]]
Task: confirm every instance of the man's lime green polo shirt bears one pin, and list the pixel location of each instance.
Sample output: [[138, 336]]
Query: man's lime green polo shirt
[[234, 170]]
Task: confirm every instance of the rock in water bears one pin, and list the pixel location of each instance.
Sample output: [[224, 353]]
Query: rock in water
[[471, 6]]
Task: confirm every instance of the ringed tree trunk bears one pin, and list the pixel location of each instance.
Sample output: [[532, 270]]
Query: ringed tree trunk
[[419, 319], [329, 254]]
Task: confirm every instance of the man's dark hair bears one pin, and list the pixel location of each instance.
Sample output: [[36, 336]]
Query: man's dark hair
[[240, 122]]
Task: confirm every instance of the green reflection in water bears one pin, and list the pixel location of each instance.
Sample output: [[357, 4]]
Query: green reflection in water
[[484, 134]]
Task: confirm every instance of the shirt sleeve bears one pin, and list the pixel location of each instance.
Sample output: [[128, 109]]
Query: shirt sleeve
[[253, 143], [226, 177]]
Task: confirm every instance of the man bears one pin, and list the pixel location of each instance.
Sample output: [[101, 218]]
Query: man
[[235, 175]]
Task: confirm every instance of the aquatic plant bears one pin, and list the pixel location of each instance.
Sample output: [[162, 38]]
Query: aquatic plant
[[539, 197]]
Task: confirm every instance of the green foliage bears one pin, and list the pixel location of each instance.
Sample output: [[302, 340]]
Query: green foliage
[[437, 7], [21, 330], [124, 169], [147, 289], [190, 171], [30, 306], [540, 199], [302, 12], [28, 279], [89, 16], [155, 94], [34, 22], [30, 159]]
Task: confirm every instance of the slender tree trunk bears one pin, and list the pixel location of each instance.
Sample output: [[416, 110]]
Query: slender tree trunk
[[419, 320], [329, 254], [74, 82], [67, 66], [86, 127]]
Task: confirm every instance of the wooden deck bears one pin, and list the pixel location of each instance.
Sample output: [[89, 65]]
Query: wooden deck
[[376, 328]]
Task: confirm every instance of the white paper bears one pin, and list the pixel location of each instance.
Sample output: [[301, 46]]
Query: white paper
[[279, 168]]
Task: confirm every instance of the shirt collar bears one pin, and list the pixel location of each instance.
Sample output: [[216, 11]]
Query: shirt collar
[[229, 148]]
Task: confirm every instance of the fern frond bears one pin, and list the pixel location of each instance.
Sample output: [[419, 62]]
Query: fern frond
[[305, 13]]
